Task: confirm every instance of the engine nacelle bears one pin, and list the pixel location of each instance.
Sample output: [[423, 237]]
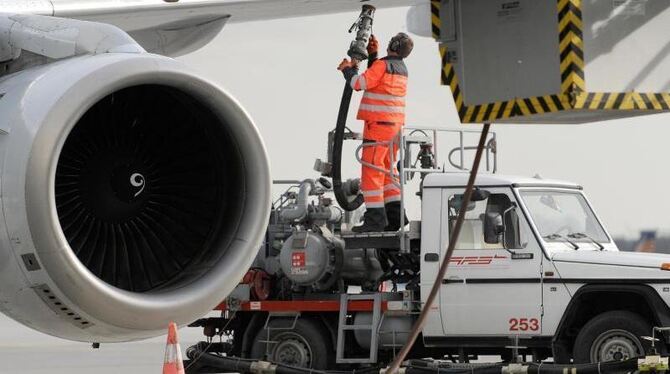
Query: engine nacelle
[[134, 193]]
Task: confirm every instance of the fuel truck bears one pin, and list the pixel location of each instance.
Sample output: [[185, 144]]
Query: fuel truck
[[534, 272]]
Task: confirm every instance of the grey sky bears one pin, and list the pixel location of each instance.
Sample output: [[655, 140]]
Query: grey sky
[[284, 73]]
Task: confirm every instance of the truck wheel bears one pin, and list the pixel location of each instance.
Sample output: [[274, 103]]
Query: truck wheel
[[612, 336], [307, 345]]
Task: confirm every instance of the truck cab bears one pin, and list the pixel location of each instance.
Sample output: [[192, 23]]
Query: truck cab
[[532, 266]]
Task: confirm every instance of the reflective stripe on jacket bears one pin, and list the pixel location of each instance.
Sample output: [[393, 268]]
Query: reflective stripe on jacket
[[385, 86]]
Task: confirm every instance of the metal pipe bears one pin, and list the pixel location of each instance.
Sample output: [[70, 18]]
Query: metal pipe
[[435, 148], [437, 284], [286, 181], [299, 211], [359, 157], [462, 151], [401, 177], [495, 153]]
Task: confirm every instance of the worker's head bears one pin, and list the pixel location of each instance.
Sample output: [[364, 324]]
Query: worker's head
[[400, 45]]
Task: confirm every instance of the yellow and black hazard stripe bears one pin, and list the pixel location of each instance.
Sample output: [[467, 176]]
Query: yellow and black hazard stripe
[[514, 108], [555, 103], [467, 114], [499, 110], [450, 79], [541, 105], [435, 19], [488, 112], [572, 69], [622, 101], [571, 46]]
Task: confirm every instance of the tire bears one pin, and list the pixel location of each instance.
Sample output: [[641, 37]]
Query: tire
[[612, 336], [307, 345]]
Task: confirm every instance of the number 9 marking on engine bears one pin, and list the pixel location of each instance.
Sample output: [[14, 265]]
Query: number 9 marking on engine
[[137, 180]]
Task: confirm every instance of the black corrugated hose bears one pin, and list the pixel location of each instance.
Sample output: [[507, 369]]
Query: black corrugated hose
[[611, 367], [338, 142], [210, 363], [357, 51], [627, 366]]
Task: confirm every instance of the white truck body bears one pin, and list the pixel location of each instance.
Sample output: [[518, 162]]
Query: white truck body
[[488, 294]]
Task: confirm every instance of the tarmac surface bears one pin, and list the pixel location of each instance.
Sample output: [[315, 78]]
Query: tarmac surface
[[23, 350]]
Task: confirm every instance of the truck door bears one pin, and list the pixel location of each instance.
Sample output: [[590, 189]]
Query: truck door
[[487, 290]]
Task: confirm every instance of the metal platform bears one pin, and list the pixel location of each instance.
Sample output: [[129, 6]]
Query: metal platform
[[382, 240]]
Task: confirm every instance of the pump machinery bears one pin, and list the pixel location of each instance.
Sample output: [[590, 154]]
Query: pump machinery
[[305, 245]]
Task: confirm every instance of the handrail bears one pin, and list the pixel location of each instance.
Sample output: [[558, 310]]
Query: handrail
[[404, 138]]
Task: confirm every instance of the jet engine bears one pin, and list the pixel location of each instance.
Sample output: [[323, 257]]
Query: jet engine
[[134, 193]]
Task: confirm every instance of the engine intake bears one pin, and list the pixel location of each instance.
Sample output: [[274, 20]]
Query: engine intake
[[140, 191], [143, 184]]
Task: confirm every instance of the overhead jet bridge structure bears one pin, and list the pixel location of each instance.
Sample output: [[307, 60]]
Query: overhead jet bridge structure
[[554, 61]]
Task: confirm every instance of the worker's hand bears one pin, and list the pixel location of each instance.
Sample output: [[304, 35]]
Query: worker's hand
[[373, 45], [347, 64]]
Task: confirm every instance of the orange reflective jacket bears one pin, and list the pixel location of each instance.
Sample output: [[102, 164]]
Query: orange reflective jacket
[[385, 86]]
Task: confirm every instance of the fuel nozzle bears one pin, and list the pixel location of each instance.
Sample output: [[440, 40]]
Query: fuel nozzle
[[363, 27]]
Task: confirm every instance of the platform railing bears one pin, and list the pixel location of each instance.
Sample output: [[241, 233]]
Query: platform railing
[[402, 168]]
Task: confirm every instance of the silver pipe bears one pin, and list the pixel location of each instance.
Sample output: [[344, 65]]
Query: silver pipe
[[462, 151], [287, 181], [299, 210]]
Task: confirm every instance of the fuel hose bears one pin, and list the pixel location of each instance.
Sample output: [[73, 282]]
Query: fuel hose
[[341, 195], [357, 51], [211, 363]]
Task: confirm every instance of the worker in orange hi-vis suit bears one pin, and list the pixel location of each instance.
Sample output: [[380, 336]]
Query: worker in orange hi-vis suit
[[383, 110]]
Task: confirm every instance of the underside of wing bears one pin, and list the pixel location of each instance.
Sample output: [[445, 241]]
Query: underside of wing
[[175, 27], [134, 14]]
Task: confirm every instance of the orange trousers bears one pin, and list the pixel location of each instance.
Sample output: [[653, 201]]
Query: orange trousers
[[377, 186]]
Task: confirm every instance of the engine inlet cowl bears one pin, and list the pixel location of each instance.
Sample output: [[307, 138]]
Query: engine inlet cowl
[[143, 194]]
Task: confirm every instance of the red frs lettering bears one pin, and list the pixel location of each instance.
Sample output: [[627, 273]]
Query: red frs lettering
[[475, 260]]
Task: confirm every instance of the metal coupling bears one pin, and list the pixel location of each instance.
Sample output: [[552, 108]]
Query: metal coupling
[[263, 367], [515, 369], [653, 364], [401, 370]]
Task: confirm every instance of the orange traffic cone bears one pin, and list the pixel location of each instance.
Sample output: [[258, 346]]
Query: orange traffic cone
[[173, 362]]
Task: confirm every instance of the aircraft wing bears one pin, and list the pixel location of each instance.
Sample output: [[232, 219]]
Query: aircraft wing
[[133, 14], [175, 27]]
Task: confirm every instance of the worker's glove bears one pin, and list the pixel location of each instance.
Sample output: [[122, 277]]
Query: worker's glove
[[345, 64], [373, 46]]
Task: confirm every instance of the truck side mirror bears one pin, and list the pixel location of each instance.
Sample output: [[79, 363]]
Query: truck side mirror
[[512, 234], [480, 195], [493, 227]]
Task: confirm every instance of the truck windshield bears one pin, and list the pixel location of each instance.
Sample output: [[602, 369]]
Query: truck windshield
[[563, 216]]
